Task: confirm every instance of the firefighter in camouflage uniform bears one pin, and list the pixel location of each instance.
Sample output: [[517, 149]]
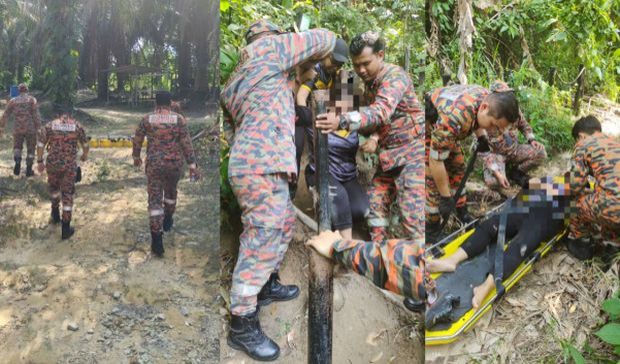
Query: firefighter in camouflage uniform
[[259, 114], [61, 137], [395, 114], [169, 145], [25, 112]]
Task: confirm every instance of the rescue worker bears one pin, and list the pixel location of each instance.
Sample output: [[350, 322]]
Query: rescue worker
[[597, 212], [61, 138], [27, 122], [395, 114], [169, 144], [453, 113], [506, 150], [259, 112]]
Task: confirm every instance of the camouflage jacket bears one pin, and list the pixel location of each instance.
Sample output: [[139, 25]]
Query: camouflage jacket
[[62, 136], [169, 142], [26, 114], [395, 113], [598, 155], [457, 107], [506, 143], [258, 103], [396, 265]]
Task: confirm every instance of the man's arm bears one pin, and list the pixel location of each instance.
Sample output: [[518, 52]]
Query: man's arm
[[186, 144], [83, 140], [525, 128], [138, 139], [41, 143], [296, 48], [228, 125], [443, 138], [7, 113], [580, 170]]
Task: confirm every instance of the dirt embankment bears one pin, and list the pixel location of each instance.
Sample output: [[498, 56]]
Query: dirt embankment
[[101, 297]]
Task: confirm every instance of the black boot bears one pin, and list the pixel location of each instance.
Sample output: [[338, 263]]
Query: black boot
[[246, 334], [67, 230], [441, 310], [413, 305], [55, 215], [168, 222], [274, 291], [580, 249], [29, 171], [18, 167], [463, 215], [157, 243], [519, 177]]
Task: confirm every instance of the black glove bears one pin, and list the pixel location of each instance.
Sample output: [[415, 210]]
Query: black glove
[[446, 206], [483, 144], [303, 116], [78, 174]]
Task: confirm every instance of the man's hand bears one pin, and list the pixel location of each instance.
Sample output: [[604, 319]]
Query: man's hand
[[370, 146], [194, 175], [137, 162], [327, 123], [483, 144], [323, 242], [537, 145], [502, 180], [446, 206], [40, 167]]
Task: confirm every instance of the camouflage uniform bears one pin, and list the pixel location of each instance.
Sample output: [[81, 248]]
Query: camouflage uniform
[[396, 265], [169, 144], [259, 109], [457, 107], [62, 136], [598, 212], [27, 123], [507, 150], [396, 115]]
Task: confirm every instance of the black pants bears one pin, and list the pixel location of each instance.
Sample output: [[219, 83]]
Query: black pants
[[525, 231], [349, 201]]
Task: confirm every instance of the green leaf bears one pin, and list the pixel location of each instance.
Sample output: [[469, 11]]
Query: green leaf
[[224, 5], [610, 333], [612, 306], [576, 355]]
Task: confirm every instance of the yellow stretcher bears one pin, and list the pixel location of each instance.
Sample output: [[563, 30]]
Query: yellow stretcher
[[111, 142], [442, 334]]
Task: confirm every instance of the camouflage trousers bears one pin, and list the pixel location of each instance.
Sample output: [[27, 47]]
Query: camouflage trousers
[[268, 221], [455, 166], [396, 265], [524, 157], [18, 145], [405, 185], [162, 190], [597, 215], [61, 183]]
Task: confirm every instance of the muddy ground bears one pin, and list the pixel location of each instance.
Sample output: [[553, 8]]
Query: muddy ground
[[369, 325], [101, 297], [557, 304]]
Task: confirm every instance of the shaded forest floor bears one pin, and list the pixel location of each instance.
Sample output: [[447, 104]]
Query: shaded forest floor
[[369, 325], [127, 305], [555, 305]]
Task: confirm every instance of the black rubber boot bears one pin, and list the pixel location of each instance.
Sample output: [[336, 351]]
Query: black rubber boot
[[414, 305], [168, 222], [246, 334], [432, 232], [56, 215], [67, 230], [157, 244], [580, 249], [441, 310], [18, 167], [519, 177], [463, 215], [274, 291], [29, 171]]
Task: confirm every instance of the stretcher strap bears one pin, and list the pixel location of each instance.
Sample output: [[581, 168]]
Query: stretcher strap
[[499, 253]]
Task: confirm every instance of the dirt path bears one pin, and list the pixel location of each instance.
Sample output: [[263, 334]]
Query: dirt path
[[127, 306], [555, 305], [368, 325]]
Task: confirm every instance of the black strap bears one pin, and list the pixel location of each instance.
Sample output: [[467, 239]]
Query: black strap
[[499, 252]]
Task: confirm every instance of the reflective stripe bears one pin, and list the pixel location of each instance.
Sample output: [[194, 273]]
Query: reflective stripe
[[431, 209], [156, 212], [55, 194], [378, 222], [193, 166], [39, 144], [169, 201], [67, 208], [439, 156]]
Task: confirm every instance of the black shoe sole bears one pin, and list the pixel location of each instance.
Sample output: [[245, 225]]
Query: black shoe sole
[[240, 347], [268, 301], [68, 236]]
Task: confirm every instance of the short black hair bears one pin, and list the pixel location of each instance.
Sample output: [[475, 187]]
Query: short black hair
[[504, 105], [163, 98], [367, 39], [587, 124]]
